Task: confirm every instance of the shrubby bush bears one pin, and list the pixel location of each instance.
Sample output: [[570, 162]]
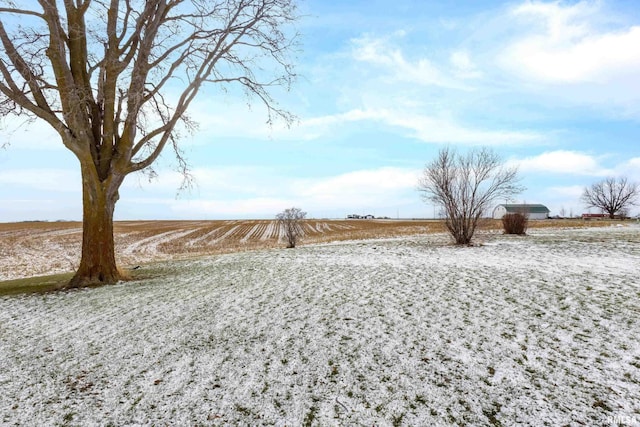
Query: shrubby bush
[[515, 223]]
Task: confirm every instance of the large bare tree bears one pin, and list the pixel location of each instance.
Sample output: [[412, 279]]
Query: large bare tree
[[115, 79], [465, 186], [611, 195]]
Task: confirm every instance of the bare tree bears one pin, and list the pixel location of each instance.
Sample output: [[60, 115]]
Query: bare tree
[[466, 186], [115, 78], [289, 222], [611, 195], [563, 212]]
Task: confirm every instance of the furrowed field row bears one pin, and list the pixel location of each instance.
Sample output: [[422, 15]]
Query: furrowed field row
[[27, 248]]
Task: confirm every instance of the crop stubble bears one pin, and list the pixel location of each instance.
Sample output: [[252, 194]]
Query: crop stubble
[[30, 249]]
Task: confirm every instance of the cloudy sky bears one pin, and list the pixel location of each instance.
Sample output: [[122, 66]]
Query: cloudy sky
[[552, 87]]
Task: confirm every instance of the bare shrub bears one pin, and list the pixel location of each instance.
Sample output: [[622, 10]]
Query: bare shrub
[[515, 223]]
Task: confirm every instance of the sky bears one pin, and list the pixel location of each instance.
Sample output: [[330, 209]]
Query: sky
[[552, 87]]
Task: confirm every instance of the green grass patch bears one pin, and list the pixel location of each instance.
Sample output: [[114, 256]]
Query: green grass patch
[[38, 284], [55, 282]]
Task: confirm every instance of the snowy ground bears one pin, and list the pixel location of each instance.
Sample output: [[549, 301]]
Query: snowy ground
[[537, 330], [31, 249]]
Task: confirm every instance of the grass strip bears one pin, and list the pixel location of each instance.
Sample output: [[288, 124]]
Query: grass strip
[[38, 284]]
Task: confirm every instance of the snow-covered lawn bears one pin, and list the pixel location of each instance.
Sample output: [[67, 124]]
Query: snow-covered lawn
[[540, 330]]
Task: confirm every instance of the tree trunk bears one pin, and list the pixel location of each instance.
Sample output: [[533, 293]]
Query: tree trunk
[[98, 262]]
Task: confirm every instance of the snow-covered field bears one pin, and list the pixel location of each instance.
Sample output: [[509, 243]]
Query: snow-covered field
[[30, 249], [536, 330]]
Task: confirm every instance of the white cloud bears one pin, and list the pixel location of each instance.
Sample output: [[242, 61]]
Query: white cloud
[[357, 184], [255, 207], [380, 191], [562, 200], [218, 122], [392, 90], [219, 118], [571, 193], [321, 125], [566, 45], [444, 129], [434, 129], [562, 162], [41, 209], [16, 134], [560, 21], [372, 189], [438, 128], [230, 181], [166, 180], [463, 66], [630, 169], [379, 52], [633, 162], [55, 180]]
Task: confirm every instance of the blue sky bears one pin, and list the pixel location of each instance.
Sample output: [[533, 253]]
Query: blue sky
[[553, 87]]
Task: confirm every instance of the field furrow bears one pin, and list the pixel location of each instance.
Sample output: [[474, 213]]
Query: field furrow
[[39, 248], [254, 231]]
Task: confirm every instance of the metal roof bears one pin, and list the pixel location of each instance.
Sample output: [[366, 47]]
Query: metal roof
[[530, 208]]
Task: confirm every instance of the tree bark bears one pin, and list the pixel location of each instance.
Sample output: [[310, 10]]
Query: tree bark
[[98, 262]]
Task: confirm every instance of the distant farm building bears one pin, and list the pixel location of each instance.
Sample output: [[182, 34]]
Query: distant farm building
[[356, 216], [533, 211]]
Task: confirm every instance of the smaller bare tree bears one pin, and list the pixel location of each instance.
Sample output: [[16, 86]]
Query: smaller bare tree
[[611, 195], [466, 186], [289, 222]]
